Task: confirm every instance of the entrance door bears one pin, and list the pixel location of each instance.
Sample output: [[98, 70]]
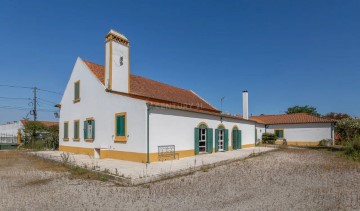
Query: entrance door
[[202, 140], [221, 140]]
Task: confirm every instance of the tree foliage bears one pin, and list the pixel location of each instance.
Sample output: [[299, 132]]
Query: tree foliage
[[348, 129], [336, 116], [269, 138], [38, 135], [302, 109]]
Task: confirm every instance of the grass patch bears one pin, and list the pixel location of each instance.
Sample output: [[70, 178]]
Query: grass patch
[[21, 159]]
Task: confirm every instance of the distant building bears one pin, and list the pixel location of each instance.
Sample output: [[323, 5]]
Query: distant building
[[298, 129]]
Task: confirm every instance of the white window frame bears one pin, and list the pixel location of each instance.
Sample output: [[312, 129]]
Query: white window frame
[[89, 129], [202, 134], [221, 141]]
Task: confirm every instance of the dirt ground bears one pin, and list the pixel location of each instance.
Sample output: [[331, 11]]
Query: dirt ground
[[288, 179]]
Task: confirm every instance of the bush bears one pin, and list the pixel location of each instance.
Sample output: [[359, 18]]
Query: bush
[[353, 148], [269, 138], [356, 143], [326, 142], [348, 129]]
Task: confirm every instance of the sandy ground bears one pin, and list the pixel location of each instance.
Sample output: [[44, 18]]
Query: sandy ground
[[290, 179]]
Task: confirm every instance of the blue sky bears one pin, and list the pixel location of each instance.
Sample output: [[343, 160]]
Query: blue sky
[[284, 53]]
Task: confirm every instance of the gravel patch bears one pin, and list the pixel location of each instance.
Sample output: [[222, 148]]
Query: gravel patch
[[289, 179]]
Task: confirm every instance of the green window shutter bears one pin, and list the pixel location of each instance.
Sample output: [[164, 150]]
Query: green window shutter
[[66, 130], [226, 141], [76, 130], [196, 136], [239, 139], [216, 140], [93, 129], [77, 90], [120, 125], [234, 138], [209, 140], [279, 133], [85, 129]]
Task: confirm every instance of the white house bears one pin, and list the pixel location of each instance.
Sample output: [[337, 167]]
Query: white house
[[298, 129], [107, 112]]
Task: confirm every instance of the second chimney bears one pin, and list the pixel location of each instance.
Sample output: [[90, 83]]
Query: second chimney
[[245, 104]]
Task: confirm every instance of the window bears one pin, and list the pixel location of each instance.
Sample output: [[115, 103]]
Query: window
[[76, 130], [202, 140], [66, 131], [77, 91], [279, 133], [221, 139], [120, 127], [89, 129]]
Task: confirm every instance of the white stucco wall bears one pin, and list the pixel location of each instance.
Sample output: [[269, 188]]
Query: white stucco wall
[[310, 132], [260, 130], [95, 102], [10, 129], [175, 127]]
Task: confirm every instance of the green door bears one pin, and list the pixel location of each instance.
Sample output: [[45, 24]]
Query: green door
[[196, 134]]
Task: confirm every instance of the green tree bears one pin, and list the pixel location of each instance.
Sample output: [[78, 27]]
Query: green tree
[[32, 129], [348, 129], [53, 136], [302, 109], [337, 116]]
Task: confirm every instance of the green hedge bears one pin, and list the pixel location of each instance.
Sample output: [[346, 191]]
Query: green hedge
[[269, 138]]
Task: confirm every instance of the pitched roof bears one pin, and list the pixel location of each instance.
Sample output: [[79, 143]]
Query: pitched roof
[[289, 119], [154, 90], [46, 123]]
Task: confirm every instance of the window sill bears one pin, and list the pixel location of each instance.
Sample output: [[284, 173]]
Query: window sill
[[89, 140], [66, 139], [76, 139], [121, 139], [76, 100]]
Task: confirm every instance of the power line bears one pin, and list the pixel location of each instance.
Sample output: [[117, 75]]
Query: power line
[[13, 107], [47, 101], [27, 87], [13, 86], [44, 90], [15, 98], [23, 108]]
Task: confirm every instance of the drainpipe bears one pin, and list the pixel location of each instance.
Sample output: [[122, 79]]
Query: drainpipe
[[147, 136]]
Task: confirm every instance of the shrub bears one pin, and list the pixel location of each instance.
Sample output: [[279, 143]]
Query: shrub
[[269, 138], [326, 142], [356, 143], [348, 129], [353, 148]]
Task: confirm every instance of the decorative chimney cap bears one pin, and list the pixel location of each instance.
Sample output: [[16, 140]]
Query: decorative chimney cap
[[114, 35], [245, 91]]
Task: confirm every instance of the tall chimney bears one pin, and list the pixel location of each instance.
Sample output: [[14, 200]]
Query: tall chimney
[[117, 62], [245, 104]]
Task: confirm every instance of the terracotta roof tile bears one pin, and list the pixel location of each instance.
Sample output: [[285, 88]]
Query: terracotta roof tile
[[148, 88], [289, 119], [46, 123]]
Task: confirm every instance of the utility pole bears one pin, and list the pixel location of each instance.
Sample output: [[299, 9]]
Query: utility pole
[[35, 111]]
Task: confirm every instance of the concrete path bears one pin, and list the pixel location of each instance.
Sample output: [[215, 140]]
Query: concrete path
[[138, 173]]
